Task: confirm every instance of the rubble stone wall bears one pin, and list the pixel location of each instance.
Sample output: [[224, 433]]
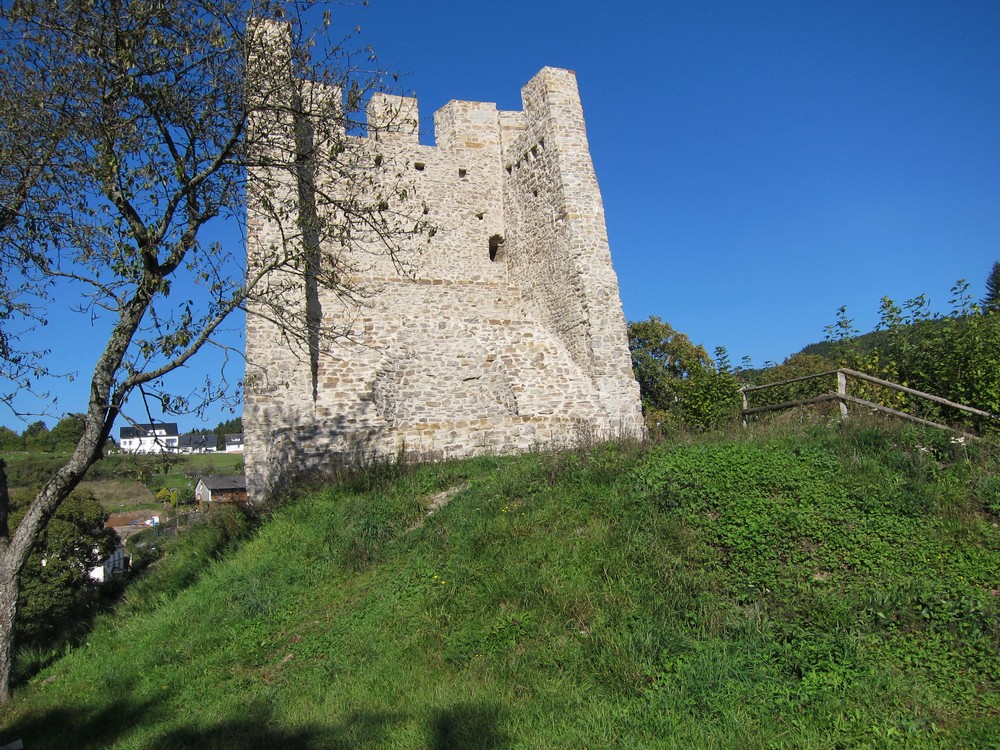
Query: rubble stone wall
[[499, 330]]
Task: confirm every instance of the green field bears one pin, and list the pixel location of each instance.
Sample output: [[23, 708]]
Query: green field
[[835, 586], [123, 482]]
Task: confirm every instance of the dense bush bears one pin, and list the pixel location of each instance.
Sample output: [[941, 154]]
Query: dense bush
[[32, 470], [57, 593], [955, 356], [797, 366], [680, 385]]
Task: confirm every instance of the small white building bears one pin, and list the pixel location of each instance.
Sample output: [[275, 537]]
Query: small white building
[[215, 490], [234, 442]]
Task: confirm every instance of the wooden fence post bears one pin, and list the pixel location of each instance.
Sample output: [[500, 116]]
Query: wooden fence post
[[842, 393], [746, 405]]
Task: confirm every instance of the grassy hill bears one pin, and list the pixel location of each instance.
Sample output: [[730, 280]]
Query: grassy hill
[[833, 587]]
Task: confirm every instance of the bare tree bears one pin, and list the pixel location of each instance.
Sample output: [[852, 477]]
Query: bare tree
[[126, 128]]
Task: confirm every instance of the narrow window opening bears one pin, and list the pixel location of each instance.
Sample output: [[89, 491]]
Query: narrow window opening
[[495, 245], [509, 168], [419, 166], [534, 152], [462, 173], [534, 193], [541, 143]]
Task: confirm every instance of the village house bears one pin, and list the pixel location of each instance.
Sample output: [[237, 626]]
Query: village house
[[164, 438], [197, 443], [219, 490], [149, 438]]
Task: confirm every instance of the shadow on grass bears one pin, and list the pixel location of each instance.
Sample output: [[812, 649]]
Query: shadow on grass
[[468, 727], [360, 731], [460, 727], [79, 727]]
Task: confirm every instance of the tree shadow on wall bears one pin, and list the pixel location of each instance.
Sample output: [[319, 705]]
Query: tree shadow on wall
[[309, 456]]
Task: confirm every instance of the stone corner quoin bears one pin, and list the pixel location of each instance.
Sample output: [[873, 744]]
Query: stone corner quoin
[[497, 328]]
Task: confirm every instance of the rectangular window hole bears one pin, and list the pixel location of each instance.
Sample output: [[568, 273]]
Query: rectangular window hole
[[463, 172], [419, 166]]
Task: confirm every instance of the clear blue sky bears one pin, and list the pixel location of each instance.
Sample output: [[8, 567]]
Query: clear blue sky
[[761, 163]]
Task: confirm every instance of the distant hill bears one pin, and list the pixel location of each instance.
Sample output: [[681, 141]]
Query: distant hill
[[828, 587], [867, 341], [862, 343]]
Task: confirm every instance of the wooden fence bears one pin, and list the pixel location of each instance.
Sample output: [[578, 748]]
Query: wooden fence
[[844, 398]]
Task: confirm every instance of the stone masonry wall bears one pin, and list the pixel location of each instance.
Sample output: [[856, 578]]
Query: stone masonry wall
[[504, 331]]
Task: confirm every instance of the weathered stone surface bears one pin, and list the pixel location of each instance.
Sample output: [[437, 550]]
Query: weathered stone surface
[[486, 345]]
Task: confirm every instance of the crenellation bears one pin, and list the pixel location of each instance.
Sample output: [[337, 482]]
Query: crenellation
[[506, 330], [462, 125], [394, 118]]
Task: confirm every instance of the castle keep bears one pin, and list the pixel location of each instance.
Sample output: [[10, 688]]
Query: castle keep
[[498, 329]]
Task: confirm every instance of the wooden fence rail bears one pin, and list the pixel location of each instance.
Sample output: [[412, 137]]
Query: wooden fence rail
[[843, 398]]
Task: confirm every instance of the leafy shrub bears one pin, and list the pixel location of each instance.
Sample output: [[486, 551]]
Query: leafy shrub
[[954, 356], [57, 593], [989, 494], [797, 366], [679, 384], [32, 470]]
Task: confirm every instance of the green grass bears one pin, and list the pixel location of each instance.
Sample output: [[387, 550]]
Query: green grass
[[834, 587]]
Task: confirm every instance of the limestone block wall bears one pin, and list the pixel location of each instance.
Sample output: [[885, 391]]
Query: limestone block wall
[[500, 329], [558, 239]]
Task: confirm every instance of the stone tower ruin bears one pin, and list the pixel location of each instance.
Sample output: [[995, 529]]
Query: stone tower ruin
[[502, 331]]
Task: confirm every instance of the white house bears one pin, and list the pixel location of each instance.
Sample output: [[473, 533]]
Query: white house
[[234, 442], [149, 438]]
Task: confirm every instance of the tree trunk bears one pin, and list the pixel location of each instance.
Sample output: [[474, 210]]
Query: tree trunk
[[8, 612], [8, 592], [16, 547], [105, 399]]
